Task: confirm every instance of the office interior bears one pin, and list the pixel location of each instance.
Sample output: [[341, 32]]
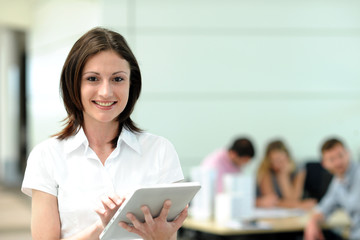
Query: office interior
[[212, 71]]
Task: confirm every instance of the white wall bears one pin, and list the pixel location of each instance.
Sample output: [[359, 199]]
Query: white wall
[[56, 26], [16, 14], [216, 69]]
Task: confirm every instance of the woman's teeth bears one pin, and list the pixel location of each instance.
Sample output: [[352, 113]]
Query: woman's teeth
[[104, 104]]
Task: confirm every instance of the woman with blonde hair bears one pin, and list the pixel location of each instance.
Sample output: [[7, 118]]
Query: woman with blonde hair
[[279, 180]]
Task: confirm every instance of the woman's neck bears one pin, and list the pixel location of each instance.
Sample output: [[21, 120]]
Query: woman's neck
[[100, 135]]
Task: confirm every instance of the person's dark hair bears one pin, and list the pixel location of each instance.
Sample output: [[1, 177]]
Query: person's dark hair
[[94, 41], [243, 147], [330, 143]]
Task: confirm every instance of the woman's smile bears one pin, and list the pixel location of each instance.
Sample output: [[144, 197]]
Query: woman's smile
[[104, 103], [105, 87]]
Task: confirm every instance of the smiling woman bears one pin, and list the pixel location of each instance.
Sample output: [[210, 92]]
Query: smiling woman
[[105, 88], [100, 155], [88, 51]]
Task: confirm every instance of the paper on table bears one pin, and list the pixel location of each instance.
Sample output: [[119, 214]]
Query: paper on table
[[250, 225], [277, 213], [254, 222]]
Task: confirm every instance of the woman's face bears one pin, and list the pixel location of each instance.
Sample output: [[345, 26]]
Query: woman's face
[[105, 85], [278, 160]]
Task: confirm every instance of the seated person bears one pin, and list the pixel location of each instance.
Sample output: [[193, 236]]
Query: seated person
[[343, 192], [279, 181], [317, 180], [229, 160]]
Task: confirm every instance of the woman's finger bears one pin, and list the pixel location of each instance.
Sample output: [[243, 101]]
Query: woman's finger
[[126, 226], [137, 224], [100, 211], [165, 210], [108, 203], [116, 199], [147, 215], [130, 228], [181, 218]]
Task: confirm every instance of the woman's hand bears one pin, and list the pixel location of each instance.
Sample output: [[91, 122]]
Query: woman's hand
[[155, 228], [285, 169], [307, 204], [110, 205], [267, 201]]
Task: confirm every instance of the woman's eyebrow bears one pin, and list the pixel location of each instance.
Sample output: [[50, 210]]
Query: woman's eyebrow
[[91, 73], [120, 72]]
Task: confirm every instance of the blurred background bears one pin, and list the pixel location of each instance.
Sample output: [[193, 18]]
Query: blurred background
[[212, 70]]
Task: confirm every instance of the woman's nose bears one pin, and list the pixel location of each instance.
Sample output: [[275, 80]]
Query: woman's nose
[[105, 89]]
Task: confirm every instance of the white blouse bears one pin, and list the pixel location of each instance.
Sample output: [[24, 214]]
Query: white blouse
[[70, 170]]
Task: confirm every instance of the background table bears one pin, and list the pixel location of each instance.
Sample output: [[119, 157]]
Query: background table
[[289, 227]]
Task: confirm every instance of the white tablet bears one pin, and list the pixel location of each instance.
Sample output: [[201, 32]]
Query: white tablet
[[154, 197]]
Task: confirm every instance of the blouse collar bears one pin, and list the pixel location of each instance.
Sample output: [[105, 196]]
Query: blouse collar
[[80, 139]]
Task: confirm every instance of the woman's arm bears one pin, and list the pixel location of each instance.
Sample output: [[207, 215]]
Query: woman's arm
[[45, 220], [292, 198], [268, 196], [299, 181], [291, 192], [265, 185], [286, 186]]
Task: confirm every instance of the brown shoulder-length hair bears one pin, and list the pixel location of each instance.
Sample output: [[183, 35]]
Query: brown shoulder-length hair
[[94, 41]]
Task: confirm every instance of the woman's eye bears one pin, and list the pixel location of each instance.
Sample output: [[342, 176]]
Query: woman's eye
[[118, 79], [92, 79]]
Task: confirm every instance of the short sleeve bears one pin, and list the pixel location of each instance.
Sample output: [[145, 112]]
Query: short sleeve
[[170, 169], [39, 173]]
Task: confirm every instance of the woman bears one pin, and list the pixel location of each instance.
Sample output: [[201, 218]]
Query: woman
[[100, 154], [280, 182]]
